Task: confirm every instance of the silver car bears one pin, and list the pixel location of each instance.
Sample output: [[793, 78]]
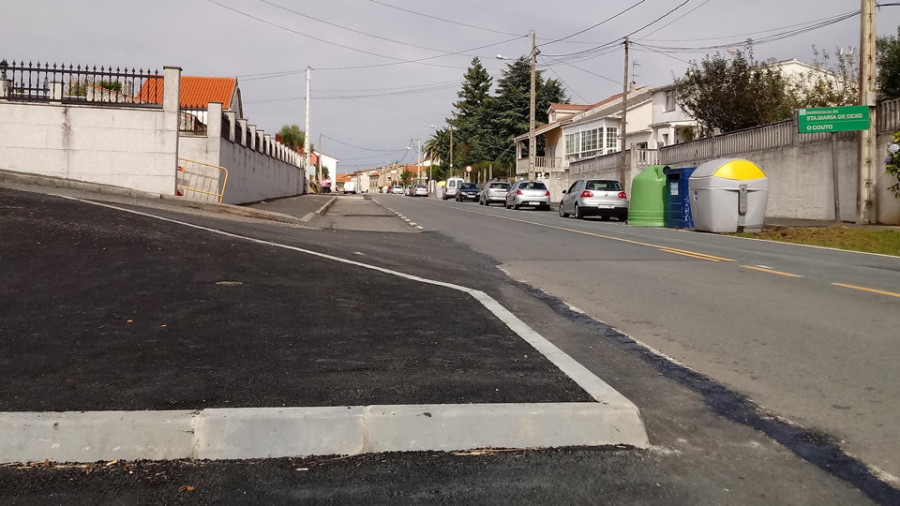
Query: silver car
[[595, 197], [528, 193], [493, 191]]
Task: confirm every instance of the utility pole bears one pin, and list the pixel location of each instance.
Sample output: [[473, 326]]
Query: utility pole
[[418, 159], [624, 116], [306, 134], [865, 195], [451, 149], [532, 142]]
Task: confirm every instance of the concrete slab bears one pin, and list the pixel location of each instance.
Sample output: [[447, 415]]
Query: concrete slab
[[96, 435]]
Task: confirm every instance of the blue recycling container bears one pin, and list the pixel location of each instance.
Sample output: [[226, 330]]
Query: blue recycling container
[[678, 201]]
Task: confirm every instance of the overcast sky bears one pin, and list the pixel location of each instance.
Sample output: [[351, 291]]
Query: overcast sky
[[385, 71]]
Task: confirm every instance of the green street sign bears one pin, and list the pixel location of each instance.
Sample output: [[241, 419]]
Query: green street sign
[[833, 119]]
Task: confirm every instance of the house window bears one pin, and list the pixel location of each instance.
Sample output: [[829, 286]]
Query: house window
[[572, 144], [670, 100], [612, 139], [590, 141]]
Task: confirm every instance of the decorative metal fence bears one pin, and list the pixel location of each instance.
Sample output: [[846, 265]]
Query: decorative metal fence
[[43, 83]]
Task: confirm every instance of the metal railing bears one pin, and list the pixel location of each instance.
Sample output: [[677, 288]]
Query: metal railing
[[201, 181], [193, 120], [43, 83]]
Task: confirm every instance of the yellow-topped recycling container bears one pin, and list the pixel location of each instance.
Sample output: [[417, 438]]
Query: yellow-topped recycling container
[[728, 194]]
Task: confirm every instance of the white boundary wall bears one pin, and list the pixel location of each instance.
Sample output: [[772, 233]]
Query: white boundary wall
[[259, 167], [132, 147], [799, 166]]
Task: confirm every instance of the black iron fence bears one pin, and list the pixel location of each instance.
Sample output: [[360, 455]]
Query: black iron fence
[[43, 83]]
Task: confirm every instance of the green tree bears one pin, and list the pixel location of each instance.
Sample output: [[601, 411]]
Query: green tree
[[405, 177], [887, 51], [470, 119], [511, 108], [292, 136], [834, 83], [731, 93]]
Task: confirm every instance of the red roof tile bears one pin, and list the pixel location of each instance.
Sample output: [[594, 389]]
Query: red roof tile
[[195, 91]]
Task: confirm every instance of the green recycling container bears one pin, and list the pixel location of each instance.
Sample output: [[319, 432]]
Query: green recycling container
[[648, 198]]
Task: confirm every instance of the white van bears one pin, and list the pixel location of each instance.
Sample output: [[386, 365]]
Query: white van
[[349, 187], [452, 187]]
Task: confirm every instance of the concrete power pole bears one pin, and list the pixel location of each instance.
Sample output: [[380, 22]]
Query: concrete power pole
[[866, 195], [532, 141], [624, 116], [306, 135]]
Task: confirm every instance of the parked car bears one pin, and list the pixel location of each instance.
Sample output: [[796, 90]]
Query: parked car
[[467, 191], [396, 189], [595, 197], [420, 191], [452, 187], [528, 193], [493, 191], [349, 187]]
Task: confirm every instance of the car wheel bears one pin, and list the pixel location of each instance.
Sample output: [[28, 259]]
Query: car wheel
[[515, 206], [562, 214], [623, 217], [579, 212]]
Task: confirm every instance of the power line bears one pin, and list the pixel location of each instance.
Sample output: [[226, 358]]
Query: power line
[[564, 83], [439, 19], [748, 34], [677, 19], [595, 25], [379, 37], [360, 147], [344, 46], [354, 97], [682, 4], [760, 41]]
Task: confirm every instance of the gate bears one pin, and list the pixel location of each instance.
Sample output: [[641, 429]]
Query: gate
[[201, 181]]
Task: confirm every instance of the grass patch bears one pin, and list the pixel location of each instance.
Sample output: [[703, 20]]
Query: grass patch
[[886, 242]]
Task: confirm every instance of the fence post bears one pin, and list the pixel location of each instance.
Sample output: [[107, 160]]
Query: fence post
[[242, 131], [171, 113], [214, 133], [795, 130], [231, 125]]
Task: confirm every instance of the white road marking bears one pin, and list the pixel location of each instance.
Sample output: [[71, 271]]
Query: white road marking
[[593, 385]]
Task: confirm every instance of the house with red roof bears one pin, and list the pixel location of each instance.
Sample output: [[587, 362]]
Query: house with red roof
[[196, 93]]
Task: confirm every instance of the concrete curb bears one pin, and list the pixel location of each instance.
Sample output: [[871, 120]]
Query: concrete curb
[[320, 211], [242, 433], [103, 189]]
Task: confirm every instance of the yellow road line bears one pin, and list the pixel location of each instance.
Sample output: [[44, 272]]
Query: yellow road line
[[689, 254], [772, 271], [693, 254], [872, 290]]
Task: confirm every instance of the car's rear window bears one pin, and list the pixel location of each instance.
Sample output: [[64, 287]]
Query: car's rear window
[[502, 186], [603, 185], [534, 186], [469, 186]]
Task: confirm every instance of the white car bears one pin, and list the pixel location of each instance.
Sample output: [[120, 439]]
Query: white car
[[452, 187], [529, 194]]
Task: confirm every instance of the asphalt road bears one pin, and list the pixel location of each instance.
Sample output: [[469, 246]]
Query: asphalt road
[[767, 320], [710, 446]]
